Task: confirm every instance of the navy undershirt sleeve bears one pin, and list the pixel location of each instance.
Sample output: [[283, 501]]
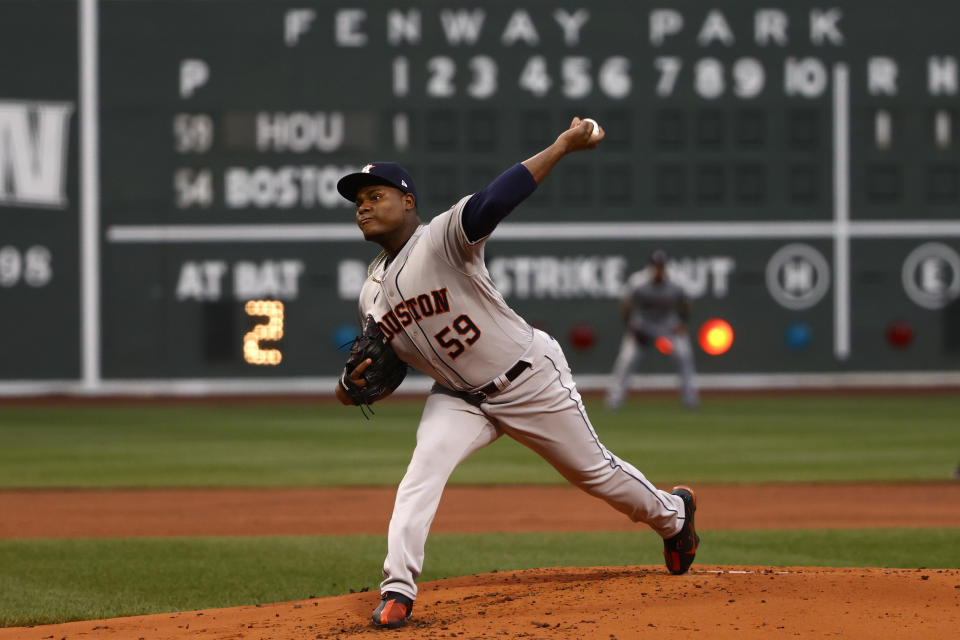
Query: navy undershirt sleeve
[[487, 207]]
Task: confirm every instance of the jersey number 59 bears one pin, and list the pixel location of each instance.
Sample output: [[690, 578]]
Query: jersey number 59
[[464, 326]]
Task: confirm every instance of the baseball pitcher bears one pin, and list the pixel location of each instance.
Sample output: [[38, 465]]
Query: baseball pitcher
[[430, 298]]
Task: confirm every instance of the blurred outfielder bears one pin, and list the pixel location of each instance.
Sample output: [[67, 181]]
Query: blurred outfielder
[[654, 308]]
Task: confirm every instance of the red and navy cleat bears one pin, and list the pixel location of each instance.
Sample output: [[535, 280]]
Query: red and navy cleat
[[393, 610], [679, 550]]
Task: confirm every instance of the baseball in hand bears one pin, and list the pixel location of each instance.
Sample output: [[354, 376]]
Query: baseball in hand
[[596, 127]]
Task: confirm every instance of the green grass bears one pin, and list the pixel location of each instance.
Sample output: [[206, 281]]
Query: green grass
[[44, 581], [731, 439]]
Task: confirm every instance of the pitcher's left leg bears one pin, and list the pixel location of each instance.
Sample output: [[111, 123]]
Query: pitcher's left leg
[[450, 430]]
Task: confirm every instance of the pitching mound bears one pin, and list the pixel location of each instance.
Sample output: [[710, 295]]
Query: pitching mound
[[604, 602]]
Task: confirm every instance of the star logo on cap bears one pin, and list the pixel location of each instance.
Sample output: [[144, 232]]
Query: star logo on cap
[[404, 183], [367, 168]]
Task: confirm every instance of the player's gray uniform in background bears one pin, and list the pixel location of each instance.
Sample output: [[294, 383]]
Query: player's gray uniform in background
[[653, 310], [437, 301]]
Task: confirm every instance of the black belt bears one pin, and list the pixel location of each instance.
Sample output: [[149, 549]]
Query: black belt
[[511, 375]]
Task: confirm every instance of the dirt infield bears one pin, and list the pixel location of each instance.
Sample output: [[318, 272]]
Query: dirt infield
[[590, 603], [197, 512], [608, 603]]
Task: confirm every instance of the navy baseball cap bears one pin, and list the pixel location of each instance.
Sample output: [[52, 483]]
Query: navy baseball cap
[[388, 173], [658, 257]]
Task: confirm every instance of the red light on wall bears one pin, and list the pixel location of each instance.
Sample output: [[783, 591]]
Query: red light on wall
[[582, 337], [900, 334], [663, 345], [716, 336]]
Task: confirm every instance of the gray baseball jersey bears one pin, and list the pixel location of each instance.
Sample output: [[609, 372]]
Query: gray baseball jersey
[[654, 304], [438, 304]]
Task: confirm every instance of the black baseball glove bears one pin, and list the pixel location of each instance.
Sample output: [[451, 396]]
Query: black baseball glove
[[384, 373]]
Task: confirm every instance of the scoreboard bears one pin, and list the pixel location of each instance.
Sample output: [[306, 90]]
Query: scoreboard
[[169, 220]]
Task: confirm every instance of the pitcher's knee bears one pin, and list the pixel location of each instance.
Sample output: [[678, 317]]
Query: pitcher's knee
[[593, 481], [409, 529]]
